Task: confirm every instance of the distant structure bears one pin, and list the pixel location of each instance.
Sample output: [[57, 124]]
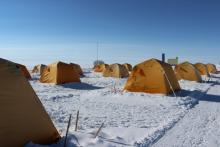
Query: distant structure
[[163, 57], [173, 61]]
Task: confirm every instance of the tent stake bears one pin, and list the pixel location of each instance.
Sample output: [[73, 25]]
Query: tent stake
[[97, 133], [67, 130], [77, 119]]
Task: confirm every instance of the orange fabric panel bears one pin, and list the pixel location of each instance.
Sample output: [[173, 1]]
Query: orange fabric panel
[[100, 67], [23, 116], [59, 73], [149, 77], [202, 68], [78, 68], [66, 74], [49, 74], [116, 70], [211, 68], [178, 77], [187, 71], [128, 66], [24, 70]]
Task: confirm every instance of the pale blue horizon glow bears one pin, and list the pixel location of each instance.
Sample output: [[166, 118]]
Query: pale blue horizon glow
[[46, 31]]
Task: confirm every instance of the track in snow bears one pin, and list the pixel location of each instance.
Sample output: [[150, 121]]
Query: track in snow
[[200, 127]]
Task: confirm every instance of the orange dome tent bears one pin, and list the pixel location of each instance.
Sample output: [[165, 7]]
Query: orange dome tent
[[116, 70], [128, 66], [187, 71], [23, 116], [211, 68], [100, 67], [202, 68], [59, 73], [152, 76]]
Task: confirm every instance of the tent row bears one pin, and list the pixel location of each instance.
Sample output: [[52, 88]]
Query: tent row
[[114, 70], [154, 76], [57, 73], [144, 77]]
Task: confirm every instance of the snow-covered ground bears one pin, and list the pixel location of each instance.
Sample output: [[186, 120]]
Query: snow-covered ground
[[130, 119]]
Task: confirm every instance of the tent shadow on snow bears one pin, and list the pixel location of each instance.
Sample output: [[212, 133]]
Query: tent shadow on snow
[[81, 86], [199, 95], [214, 76], [213, 82], [210, 98], [71, 141]]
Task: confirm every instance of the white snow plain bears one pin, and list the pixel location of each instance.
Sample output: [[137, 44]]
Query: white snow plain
[[132, 119]]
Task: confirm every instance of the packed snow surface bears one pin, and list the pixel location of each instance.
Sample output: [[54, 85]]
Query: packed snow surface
[[132, 119]]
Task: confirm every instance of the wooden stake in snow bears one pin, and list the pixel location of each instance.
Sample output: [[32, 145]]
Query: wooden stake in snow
[[77, 119], [97, 133], [171, 87], [67, 130]]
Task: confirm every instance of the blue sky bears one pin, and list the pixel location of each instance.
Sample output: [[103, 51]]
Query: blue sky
[[44, 31]]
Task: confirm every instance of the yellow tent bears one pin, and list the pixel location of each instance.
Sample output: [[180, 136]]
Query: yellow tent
[[59, 73], [202, 68], [38, 68], [116, 70], [128, 66], [23, 70], [23, 117], [152, 76], [211, 68], [100, 67], [187, 71], [77, 68]]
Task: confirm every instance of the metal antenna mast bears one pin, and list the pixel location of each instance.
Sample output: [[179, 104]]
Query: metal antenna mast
[[97, 51]]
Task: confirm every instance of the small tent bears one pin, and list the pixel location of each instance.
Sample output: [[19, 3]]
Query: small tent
[[116, 70], [211, 68], [202, 68], [78, 68], [23, 70], [128, 66], [23, 117], [59, 73], [100, 67], [38, 68], [152, 76], [187, 71]]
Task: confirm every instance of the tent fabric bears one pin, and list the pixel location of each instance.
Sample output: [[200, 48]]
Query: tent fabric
[[23, 70], [78, 68], [116, 71], [23, 117], [100, 67], [152, 76], [59, 73], [178, 77], [38, 68], [211, 68], [128, 66], [202, 68], [187, 71]]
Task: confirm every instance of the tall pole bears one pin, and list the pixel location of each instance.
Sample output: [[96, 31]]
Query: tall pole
[[97, 51]]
